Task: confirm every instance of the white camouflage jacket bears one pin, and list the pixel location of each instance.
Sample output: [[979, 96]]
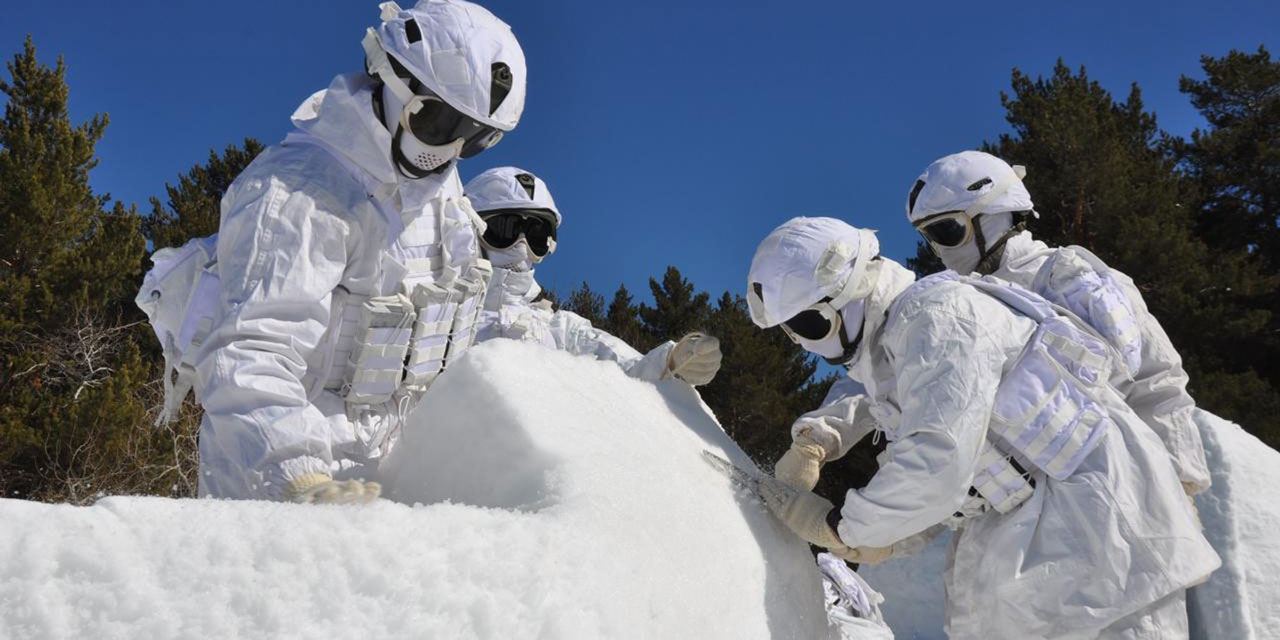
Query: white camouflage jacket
[[1158, 390], [312, 228]]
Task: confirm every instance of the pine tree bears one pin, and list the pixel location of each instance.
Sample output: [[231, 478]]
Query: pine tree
[[622, 319], [194, 204], [47, 209], [1236, 160], [587, 303], [677, 308], [73, 393], [1236, 164]]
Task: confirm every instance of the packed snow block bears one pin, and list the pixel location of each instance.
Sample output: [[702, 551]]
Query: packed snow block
[[619, 528], [558, 499], [1241, 517]]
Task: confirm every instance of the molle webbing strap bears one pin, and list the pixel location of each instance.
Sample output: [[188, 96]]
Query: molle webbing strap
[[376, 364], [1001, 480], [435, 306]]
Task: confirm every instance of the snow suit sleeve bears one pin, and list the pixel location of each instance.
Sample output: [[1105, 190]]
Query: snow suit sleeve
[[947, 366], [281, 254], [1158, 394], [574, 334], [836, 426]]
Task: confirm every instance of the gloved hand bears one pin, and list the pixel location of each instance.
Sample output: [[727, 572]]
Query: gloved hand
[[804, 512], [695, 358], [801, 464], [319, 488], [865, 555]]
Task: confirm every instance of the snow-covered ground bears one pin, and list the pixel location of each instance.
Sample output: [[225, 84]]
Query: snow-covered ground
[[541, 496], [559, 499], [1241, 516]]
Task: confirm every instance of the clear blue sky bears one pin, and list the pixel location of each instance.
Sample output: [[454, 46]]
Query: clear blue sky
[[670, 132]]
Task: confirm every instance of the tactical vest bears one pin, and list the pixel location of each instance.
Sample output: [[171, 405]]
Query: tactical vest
[[378, 348], [1087, 288], [389, 347], [1045, 415]]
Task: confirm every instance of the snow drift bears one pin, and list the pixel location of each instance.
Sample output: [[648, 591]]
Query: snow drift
[[555, 498], [1241, 518]]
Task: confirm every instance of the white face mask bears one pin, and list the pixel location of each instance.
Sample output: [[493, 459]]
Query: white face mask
[[426, 157], [831, 347], [516, 257], [964, 259]]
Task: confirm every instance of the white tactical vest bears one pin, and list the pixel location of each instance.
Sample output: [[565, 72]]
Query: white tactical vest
[[379, 348], [1085, 287], [1045, 409], [1045, 415], [389, 347]]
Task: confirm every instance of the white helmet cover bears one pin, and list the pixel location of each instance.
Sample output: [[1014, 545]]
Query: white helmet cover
[[510, 188], [968, 180], [805, 260], [453, 52]]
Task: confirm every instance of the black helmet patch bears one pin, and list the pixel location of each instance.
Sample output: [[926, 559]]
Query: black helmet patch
[[500, 85], [915, 193], [528, 182]]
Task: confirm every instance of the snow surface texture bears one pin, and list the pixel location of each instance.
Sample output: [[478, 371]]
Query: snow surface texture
[[560, 499], [1241, 516]]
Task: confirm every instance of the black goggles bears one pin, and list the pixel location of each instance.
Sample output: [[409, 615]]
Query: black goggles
[[950, 229], [437, 123], [505, 226], [815, 323]]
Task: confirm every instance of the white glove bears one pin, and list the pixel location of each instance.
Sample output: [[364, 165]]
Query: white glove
[[914, 544], [865, 555], [319, 488], [801, 464], [804, 512], [907, 546], [695, 359]]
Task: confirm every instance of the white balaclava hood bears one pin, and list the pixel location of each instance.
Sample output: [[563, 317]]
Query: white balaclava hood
[[503, 188], [979, 184], [459, 52], [964, 259], [806, 260]]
